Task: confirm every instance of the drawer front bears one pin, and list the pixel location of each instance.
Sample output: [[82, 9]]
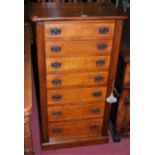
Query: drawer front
[[76, 95], [77, 79], [79, 29], [73, 48], [95, 63], [76, 128], [75, 112]]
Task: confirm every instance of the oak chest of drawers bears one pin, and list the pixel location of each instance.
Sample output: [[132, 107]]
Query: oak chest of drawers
[[77, 52]]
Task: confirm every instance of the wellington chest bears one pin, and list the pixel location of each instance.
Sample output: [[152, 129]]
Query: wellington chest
[[77, 53]]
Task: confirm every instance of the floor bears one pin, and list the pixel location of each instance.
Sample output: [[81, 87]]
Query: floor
[[122, 148]]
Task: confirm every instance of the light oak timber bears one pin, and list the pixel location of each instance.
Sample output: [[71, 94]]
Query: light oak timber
[[87, 25]]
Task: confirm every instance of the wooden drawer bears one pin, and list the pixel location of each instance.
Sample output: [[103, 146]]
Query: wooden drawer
[[77, 79], [79, 29], [77, 47], [76, 95], [95, 63], [75, 112], [75, 128]]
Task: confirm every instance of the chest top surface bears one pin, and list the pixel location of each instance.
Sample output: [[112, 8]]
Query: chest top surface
[[73, 11]]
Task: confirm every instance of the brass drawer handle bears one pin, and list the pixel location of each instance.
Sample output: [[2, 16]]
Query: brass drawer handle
[[57, 130], [55, 31], [56, 65], [95, 111], [101, 46], [103, 30], [56, 82], [93, 127], [99, 78], [123, 124], [100, 62], [97, 94], [56, 98], [57, 113], [56, 49], [127, 100]]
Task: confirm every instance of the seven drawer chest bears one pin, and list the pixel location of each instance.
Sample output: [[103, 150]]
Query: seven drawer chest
[[77, 48]]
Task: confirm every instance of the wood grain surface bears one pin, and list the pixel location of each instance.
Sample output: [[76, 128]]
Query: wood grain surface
[[76, 80], [74, 64], [76, 95], [78, 128], [59, 48], [75, 112]]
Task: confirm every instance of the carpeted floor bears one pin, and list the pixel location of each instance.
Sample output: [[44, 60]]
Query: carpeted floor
[[122, 148]]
